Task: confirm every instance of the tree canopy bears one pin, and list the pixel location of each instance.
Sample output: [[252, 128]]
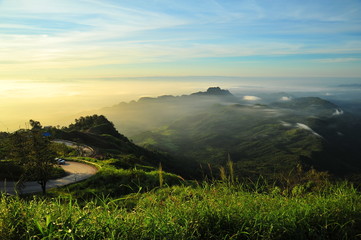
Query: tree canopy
[[32, 150]]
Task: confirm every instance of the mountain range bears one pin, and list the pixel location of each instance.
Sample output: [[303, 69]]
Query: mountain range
[[205, 130]]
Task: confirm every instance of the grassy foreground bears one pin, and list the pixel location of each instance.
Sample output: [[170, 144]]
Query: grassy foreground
[[216, 211]]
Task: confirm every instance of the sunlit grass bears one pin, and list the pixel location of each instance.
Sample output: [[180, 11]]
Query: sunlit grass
[[211, 211]]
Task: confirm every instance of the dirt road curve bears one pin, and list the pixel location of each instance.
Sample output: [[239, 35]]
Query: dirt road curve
[[76, 172]]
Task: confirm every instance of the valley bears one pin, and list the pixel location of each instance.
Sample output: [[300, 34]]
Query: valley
[[269, 138], [205, 163]]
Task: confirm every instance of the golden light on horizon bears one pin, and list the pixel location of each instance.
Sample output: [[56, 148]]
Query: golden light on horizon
[[59, 102]]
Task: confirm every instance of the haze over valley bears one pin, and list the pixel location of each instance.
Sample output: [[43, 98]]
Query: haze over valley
[[60, 102]]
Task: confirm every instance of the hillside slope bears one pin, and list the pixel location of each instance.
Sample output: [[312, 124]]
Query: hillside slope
[[200, 132], [99, 133], [267, 140]]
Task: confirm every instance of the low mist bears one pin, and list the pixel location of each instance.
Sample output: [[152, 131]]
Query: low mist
[[60, 102]]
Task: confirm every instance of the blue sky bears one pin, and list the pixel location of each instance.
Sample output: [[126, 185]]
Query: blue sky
[[70, 39]]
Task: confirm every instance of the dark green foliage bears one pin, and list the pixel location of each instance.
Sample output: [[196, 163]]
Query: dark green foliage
[[62, 150], [95, 124], [32, 151], [10, 171], [100, 142], [4, 142], [97, 132]]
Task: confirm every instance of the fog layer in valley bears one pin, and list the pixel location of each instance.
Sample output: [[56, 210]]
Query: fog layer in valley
[[60, 102]]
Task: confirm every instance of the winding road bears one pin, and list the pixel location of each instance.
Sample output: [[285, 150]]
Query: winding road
[[76, 172], [87, 151]]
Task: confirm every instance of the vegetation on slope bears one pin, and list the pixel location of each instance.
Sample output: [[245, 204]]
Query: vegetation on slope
[[100, 134], [253, 138], [117, 178], [262, 139]]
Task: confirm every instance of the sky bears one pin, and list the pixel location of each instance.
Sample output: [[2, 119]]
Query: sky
[[86, 53]]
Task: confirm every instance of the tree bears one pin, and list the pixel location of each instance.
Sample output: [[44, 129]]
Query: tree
[[4, 144], [33, 152]]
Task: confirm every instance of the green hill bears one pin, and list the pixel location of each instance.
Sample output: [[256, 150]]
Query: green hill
[[308, 105], [100, 134], [262, 140]]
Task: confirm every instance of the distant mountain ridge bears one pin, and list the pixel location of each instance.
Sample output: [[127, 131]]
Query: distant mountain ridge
[[291, 130], [152, 112], [207, 127], [214, 91], [306, 103], [211, 92]]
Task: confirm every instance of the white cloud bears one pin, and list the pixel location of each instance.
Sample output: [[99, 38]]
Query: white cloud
[[286, 124], [251, 98], [285, 98], [337, 112], [305, 127], [340, 134]]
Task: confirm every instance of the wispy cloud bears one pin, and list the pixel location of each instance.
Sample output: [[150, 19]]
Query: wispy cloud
[[337, 60], [38, 34]]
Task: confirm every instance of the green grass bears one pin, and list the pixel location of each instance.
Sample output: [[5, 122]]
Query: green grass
[[114, 180], [217, 211], [148, 203]]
